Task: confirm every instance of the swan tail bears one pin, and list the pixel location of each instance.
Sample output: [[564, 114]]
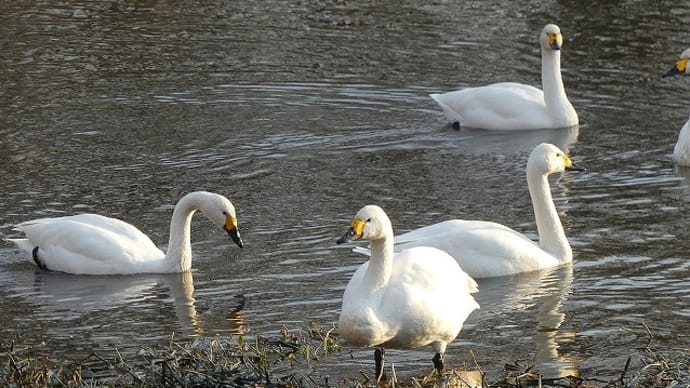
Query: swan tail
[[28, 247], [453, 117], [22, 244]]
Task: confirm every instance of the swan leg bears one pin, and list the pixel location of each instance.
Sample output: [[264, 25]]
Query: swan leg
[[438, 362], [37, 260], [379, 354]]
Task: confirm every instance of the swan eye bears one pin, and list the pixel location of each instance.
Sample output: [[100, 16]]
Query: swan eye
[[225, 213], [368, 219]]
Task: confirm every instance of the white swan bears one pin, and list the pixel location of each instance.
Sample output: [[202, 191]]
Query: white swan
[[509, 105], [681, 151], [487, 249], [417, 297], [97, 245]]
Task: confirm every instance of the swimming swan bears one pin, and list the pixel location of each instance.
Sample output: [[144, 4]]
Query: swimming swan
[[405, 300], [97, 245], [510, 105], [681, 151], [487, 249]]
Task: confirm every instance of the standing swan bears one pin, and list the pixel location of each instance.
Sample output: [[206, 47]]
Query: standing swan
[[681, 152], [510, 105], [96, 245], [417, 297], [487, 249]]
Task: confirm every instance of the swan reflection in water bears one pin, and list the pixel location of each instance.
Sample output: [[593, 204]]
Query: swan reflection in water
[[66, 297], [473, 141], [544, 291]]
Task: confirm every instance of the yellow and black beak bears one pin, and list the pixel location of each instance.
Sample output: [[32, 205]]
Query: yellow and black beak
[[570, 166], [554, 41], [679, 68], [354, 233], [231, 227]]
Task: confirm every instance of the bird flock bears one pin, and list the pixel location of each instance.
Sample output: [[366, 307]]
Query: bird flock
[[416, 289]]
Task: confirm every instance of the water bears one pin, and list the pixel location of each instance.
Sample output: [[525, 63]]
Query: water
[[301, 113]]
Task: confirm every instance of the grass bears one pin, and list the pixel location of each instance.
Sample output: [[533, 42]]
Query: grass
[[285, 360]]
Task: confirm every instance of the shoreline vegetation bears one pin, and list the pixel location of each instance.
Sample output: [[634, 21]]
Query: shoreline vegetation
[[285, 360]]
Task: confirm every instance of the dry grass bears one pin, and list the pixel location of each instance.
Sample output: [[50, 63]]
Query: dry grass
[[285, 361]]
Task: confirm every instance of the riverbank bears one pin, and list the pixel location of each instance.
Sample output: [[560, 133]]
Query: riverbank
[[286, 360]]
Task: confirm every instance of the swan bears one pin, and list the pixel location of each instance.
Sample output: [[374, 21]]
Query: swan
[[403, 300], [96, 245], [681, 151], [510, 105], [488, 249]]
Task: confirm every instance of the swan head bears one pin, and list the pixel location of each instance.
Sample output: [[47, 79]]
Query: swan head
[[221, 212], [370, 223], [681, 66], [548, 159], [551, 38]]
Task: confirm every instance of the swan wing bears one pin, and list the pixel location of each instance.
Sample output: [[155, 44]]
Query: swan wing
[[483, 249], [506, 105], [429, 298], [88, 244], [113, 225]]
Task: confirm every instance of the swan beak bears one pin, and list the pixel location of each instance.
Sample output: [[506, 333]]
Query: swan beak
[[570, 166], [554, 41], [347, 237], [235, 236], [574, 167], [354, 233], [679, 68], [231, 227]]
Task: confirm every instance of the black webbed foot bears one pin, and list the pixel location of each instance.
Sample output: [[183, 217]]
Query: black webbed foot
[[37, 260], [379, 354], [438, 362]]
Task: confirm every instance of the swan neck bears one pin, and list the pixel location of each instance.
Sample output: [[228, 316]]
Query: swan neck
[[381, 263], [552, 237], [179, 252], [552, 83]]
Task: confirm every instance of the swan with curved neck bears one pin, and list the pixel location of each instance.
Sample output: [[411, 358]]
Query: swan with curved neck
[[681, 151], [488, 249], [98, 245], [404, 300], [515, 106]]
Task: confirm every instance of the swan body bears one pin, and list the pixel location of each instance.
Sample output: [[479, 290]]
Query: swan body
[[413, 298], [488, 249], [514, 106], [681, 151], [98, 245]]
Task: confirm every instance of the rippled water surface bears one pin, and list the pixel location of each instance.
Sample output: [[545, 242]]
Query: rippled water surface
[[301, 113]]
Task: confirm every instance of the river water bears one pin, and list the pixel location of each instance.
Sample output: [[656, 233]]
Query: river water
[[303, 112]]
